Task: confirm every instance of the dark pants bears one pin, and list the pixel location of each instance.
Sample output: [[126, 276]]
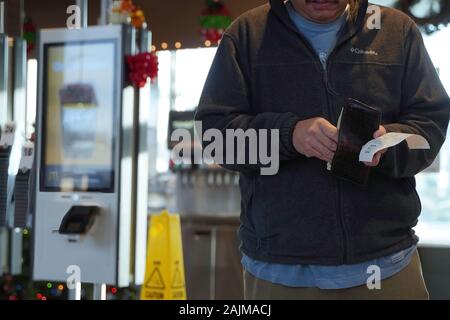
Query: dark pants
[[408, 284]]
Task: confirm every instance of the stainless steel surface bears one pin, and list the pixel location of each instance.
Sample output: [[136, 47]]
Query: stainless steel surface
[[145, 40], [99, 291], [15, 263], [129, 40], [208, 193], [20, 85], [105, 6], [212, 258], [74, 294], [4, 71], [83, 5], [141, 178], [3, 250], [212, 288]]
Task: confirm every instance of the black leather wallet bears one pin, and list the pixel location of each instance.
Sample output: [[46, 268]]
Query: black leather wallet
[[357, 124]]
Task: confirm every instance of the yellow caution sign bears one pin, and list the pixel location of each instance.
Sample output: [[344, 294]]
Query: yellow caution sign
[[164, 274]]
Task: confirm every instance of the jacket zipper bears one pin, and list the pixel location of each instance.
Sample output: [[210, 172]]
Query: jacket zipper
[[330, 93]]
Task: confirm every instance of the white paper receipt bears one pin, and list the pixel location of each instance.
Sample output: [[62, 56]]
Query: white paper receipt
[[391, 139]]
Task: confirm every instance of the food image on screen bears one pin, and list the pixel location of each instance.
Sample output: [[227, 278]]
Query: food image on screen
[[79, 111], [78, 116]]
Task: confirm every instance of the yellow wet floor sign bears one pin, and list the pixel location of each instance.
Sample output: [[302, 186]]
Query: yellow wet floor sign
[[164, 274]]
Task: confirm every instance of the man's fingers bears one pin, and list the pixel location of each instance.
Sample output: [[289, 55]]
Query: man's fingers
[[322, 148], [329, 130], [321, 152], [381, 131], [375, 161], [316, 154], [377, 157], [330, 144]]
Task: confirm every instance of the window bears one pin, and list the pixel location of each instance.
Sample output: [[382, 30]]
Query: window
[[182, 74], [433, 185]]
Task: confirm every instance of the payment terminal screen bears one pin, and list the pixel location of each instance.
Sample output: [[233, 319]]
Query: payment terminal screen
[[78, 117]]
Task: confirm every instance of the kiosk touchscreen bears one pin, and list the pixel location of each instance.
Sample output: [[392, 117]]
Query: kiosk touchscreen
[[83, 204], [78, 119]]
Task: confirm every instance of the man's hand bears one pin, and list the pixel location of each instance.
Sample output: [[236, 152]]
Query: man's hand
[[377, 157], [316, 137]]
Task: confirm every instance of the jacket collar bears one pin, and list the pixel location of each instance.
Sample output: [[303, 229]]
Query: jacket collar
[[351, 27]]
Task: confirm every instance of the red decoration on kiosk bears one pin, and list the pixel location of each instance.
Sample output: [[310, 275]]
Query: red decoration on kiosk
[[141, 67], [29, 34]]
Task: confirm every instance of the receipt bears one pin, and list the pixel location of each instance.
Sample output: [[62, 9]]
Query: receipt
[[391, 139]]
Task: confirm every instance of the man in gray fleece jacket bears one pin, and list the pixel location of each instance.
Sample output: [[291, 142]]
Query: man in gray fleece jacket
[[305, 233]]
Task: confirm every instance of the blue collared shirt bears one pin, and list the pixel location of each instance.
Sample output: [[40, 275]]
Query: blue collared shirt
[[321, 36], [328, 277]]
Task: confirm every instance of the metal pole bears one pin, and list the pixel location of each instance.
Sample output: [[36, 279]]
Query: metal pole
[[99, 291], [105, 6], [83, 5], [3, 250], [212, 267], [2, 16], [75, 294], [15, 256]]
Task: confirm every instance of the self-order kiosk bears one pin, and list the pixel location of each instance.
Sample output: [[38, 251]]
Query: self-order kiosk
[[90, 194]]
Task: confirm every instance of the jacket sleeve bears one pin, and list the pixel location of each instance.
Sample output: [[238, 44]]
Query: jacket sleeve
[[225, 104], [425, 110]]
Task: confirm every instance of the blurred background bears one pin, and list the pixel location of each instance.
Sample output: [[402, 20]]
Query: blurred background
[[207, 197]]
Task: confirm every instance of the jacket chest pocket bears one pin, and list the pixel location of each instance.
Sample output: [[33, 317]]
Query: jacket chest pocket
[[296, 88], [378, 85]]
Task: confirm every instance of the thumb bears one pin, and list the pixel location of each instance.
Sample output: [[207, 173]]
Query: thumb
[[381, 131]]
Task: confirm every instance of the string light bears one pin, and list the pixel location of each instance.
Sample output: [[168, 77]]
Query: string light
[[207, 43], [164, 45], [153, 48], [44, 298], [177, 45], [113, 290], [49, 285], [25, 231], [60, 287], [39, 296]]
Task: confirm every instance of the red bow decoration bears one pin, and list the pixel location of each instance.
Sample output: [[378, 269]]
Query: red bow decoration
[[213, 35], [141, 67], [29, 34]]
